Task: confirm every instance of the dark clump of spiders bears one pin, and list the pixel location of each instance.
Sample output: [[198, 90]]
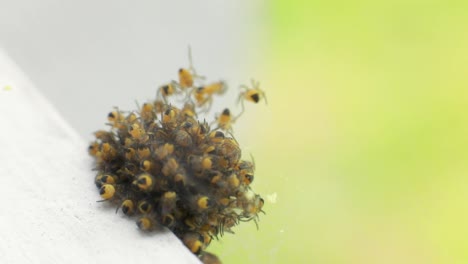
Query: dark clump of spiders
[[167, 168]]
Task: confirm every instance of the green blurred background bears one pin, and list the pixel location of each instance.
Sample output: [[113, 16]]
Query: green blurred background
[[365, 137]]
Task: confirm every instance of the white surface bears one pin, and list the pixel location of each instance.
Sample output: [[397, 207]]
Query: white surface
[[49, 212], [87, 56]]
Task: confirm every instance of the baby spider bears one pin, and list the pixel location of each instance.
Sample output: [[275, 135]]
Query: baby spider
[[225, 120], [187, 76], [253, 94], [204, 94], [167, 90]]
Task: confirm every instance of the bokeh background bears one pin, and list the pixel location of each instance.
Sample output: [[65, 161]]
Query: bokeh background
[[367, 145], [364, 140]]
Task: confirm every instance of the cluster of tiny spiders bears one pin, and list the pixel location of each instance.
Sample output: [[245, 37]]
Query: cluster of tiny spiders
[[164, 166]]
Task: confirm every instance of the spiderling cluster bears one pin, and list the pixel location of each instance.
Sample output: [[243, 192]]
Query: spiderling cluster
[[162, 165]]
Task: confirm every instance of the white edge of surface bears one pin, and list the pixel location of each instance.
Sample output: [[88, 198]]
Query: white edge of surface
[[49, 211]]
